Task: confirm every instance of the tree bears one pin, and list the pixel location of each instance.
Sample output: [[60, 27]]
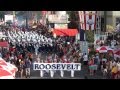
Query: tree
[[89, 36], [73, 18]]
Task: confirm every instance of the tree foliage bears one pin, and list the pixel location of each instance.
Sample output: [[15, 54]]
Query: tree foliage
[[73, 19], [89, 36]]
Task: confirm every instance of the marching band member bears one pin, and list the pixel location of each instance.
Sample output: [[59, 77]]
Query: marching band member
[[72, 72], [61, 72], [47, 61], [41, 72], [52, 73]]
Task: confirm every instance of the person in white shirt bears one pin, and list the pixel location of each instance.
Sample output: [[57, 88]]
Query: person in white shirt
[[36, 49], [112, 44], [85, 59]]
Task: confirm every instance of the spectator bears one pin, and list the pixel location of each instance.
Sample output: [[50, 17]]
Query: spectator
[[91, 69], [27, 67], [85, 59]]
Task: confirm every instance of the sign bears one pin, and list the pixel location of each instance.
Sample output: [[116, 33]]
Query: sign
[[58, 18], [84, 47], [9, 18], [61, 26], [56, 66]]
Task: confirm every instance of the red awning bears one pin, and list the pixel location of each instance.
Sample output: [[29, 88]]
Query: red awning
[[4, 44], [65, 32]]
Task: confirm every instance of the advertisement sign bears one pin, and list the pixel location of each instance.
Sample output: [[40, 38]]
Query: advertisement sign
[[58, 18], [9, 18], [61, 26]]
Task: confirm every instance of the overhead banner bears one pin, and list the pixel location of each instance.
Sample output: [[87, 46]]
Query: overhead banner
[[88, 20], [57, 66]]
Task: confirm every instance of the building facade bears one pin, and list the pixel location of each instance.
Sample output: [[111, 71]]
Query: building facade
[[111, 19]]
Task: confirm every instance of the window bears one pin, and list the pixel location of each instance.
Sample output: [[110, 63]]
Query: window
[[98, 22], [102, 24], [117, 20], [53, 12]]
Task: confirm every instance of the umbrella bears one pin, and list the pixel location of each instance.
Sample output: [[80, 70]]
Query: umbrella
[[117, 53], [104, 49]]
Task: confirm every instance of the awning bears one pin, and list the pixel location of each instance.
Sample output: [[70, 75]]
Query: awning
[[65, 32]]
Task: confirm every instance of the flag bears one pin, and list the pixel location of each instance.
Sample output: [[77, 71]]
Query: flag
[[87, 20]]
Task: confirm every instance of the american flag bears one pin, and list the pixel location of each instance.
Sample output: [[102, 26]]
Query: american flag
[[87, 20]]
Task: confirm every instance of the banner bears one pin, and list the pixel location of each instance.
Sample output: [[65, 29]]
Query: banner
[[87, 20], [56, 66]]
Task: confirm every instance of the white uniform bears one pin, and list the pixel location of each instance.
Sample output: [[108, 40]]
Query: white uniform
[[51, 73], [41, 73], [61, 72], [72, 72]]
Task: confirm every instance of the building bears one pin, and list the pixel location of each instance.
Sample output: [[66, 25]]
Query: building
[[108, 18], [58, 19]]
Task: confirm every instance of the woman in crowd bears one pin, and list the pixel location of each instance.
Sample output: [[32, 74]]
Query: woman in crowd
[[91, 63]]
